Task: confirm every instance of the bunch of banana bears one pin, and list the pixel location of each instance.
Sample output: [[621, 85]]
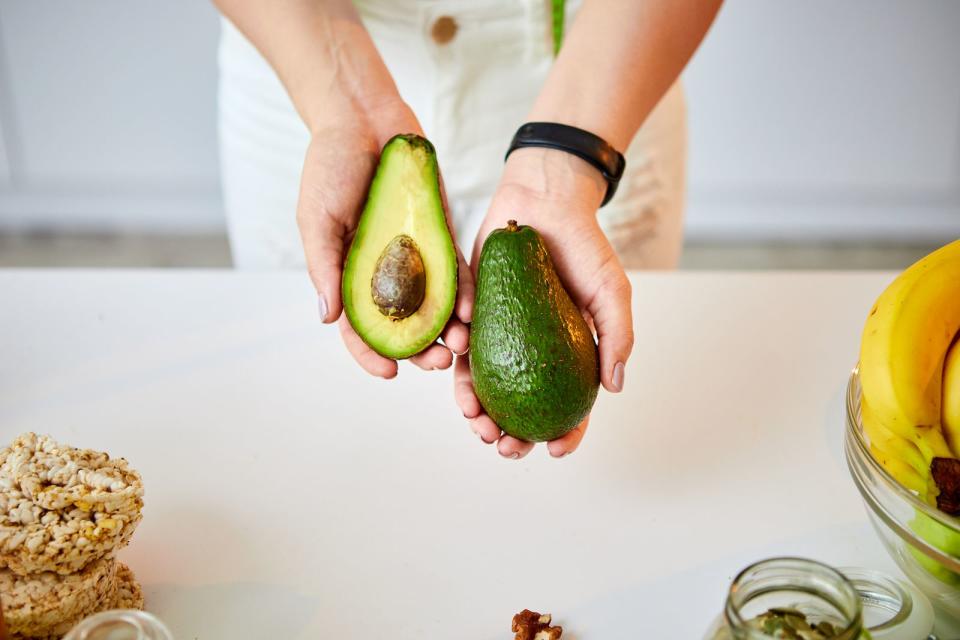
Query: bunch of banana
[[910, 402]]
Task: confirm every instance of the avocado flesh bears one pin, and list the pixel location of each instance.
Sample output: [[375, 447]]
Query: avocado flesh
[[533, 358], [403, 201]]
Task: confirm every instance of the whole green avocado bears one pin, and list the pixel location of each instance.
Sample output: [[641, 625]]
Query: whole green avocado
[[532, 356]]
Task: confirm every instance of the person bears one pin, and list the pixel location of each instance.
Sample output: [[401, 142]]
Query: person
[[310, 90]]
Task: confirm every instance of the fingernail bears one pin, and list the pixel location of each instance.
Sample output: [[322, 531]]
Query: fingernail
[[322, 304], [513, 456], [618, 376]]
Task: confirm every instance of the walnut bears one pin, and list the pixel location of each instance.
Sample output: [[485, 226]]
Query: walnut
[[530, 625]]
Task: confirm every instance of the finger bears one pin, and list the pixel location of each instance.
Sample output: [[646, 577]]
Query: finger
[[569, 442], [477, 247], [465, 290], [613, 318], [446, 204], [510, 447], [456, 336], [465, 396], [464, 304], [589, 320], [484, 427], [323, 246], [371, 361], [436, 356]]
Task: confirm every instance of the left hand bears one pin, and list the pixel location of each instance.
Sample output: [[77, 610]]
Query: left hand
[[340, 163], [558, 194]]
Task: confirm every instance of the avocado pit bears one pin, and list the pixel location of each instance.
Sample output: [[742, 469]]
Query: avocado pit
[[399, 280]]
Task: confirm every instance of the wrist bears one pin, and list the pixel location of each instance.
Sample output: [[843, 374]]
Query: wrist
[[380, 118], [555, 176]]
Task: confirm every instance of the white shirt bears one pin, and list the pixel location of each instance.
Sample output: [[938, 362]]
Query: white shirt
[[470, 93]]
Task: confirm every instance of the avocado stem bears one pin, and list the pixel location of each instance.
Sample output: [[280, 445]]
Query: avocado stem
[[512, 225]]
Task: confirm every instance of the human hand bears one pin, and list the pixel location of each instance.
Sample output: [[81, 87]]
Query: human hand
[[558, 194], [339, 165]]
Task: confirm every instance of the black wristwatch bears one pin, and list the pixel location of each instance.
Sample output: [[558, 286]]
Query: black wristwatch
[[583, 144]]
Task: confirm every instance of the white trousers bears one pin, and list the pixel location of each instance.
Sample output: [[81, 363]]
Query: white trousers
[[471, 87]]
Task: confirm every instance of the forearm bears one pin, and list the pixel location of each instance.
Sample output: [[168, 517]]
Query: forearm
[[617, 61], [322, 54]]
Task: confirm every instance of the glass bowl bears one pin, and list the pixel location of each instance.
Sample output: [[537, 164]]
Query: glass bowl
[[923, 541]]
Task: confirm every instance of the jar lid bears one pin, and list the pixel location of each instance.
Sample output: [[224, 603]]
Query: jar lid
[[892, 609], [120, 624]]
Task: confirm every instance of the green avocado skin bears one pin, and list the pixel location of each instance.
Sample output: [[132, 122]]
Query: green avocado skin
[[532, 356]]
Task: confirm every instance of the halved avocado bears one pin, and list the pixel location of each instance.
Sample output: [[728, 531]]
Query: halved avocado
[[400, 277]]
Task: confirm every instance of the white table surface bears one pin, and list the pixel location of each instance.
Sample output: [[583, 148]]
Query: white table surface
[[289, 495]]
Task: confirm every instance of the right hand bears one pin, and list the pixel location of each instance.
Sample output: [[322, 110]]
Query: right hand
[[339, 165], [559, 194]]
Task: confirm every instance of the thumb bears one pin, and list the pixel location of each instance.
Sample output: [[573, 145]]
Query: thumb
[[613, 319], [323, 246]]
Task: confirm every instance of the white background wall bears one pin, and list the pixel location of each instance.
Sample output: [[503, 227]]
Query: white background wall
[[827, 119], [808, 120]]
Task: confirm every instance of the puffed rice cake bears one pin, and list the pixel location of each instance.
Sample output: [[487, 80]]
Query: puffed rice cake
[[61, 507], [42, 601], [129, 593], [126, 594]]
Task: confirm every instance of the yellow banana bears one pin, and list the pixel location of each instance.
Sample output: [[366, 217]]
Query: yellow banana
[[950, 411], [891, 444], [905, 341], [901, 471]]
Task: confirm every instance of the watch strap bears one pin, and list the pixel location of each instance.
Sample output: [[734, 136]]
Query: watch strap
[[589, 147]]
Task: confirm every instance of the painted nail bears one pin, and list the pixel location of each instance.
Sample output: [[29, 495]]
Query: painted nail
[[322, 304], [618, 376]]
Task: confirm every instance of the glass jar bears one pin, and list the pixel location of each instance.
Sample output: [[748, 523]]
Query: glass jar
[[120, 624], [819, 592], [857, 603]]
